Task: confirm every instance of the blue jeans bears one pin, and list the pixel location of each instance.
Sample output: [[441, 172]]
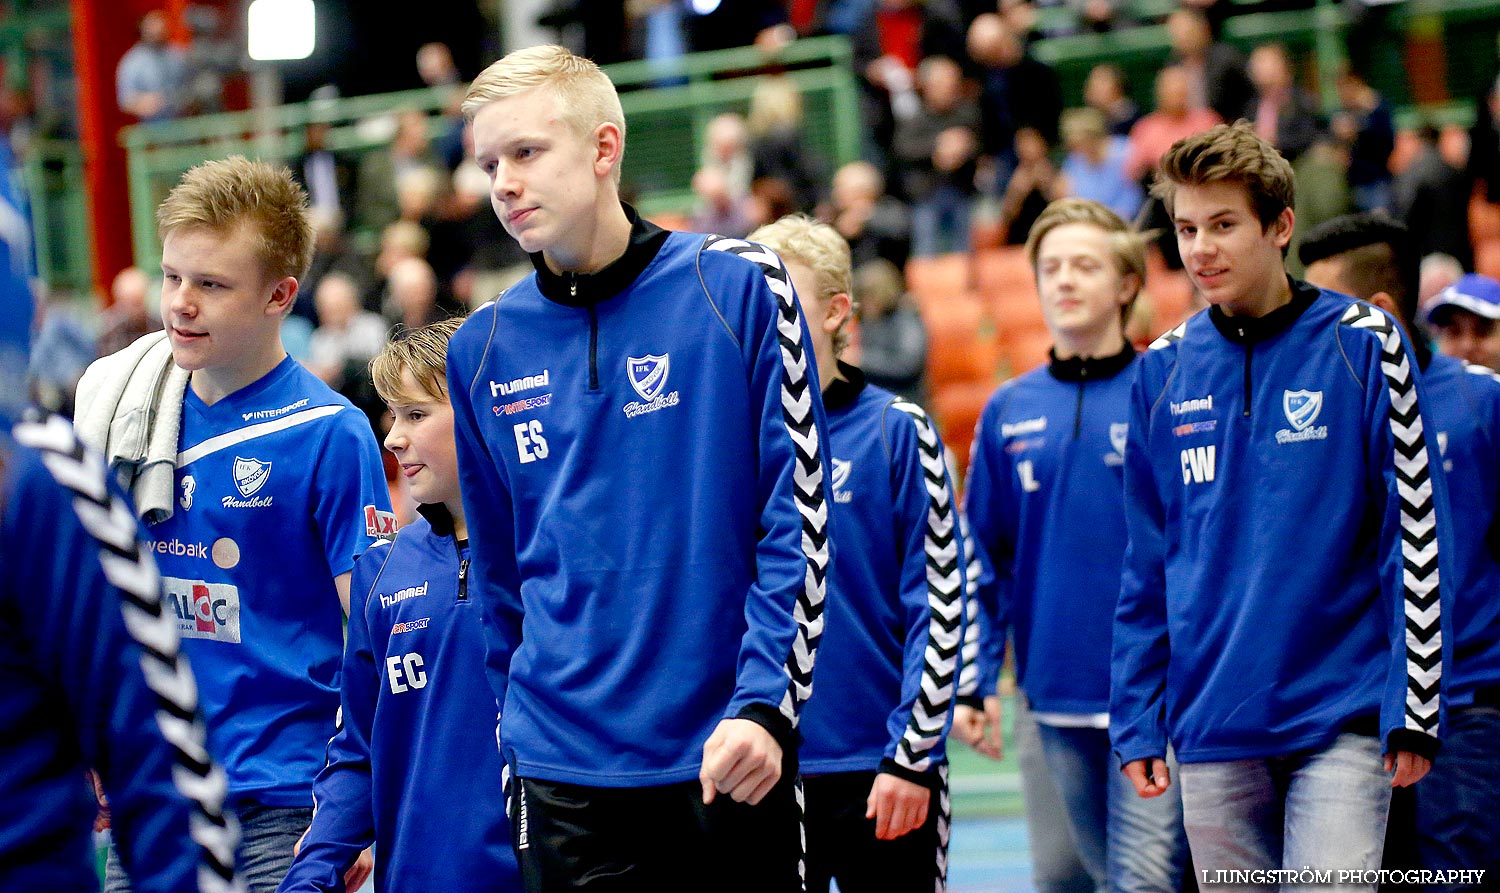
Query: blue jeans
[[267, 835], [940, 223], [1127, 843], [1458, 803], [1325, 810], [1055, 864]]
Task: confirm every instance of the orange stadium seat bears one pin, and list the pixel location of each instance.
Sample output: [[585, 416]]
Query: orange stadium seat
[[939, 278], [961, 344], [957, 407]]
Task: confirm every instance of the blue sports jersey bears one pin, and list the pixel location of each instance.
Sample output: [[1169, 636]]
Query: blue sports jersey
[[1046, 503], [91, 676], [414, 768], [642, 464], [1281, 583], [280, 486], [1464, 403], [889, 655]]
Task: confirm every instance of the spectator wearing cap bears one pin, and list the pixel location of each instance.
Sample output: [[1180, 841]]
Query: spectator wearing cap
[[1466, 316]]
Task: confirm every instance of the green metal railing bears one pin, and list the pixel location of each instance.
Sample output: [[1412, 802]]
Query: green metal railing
[[666, 106], [53, 178]]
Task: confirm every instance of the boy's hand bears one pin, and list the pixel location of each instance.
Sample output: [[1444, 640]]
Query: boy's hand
[[980, 731], [360, 871], [740, 759], [1409, 768], [1150, 777], [897, 806]]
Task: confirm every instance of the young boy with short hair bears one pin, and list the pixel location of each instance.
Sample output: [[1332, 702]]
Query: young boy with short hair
[[1279, 618], [268, 486], [641, 451], [414, 691], [1046, 503], [873, 739], [1447, 822]]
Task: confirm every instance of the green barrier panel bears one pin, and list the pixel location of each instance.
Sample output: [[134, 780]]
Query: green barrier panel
[[667, 107], [53, 177]]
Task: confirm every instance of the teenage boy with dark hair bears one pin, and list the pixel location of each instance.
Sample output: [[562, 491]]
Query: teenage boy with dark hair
[[413, 680], [1279, 617], [1372, 257], [873, 752], [641, 450], [1046, 504]]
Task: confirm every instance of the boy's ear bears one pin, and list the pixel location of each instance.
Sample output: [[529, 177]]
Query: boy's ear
[[283, 295], [839, 307], [1385, 302], [609, 146], [1285, 223]]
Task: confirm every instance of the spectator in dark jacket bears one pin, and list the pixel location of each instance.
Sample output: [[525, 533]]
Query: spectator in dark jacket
[[1284, 115], [1364, 124], [1216, 71], [1432, 198], [935, 151], [1016, 91]]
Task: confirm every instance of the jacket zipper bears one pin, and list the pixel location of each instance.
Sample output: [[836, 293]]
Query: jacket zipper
[[463, 579], [1249, 355], [593, 335], [1078, 412]]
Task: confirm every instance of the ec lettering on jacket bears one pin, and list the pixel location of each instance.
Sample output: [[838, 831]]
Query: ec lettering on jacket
[[405, 672], [1198, 465]]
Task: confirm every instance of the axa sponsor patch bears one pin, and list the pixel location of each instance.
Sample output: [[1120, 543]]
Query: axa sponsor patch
[[204, 610], [379, 524]]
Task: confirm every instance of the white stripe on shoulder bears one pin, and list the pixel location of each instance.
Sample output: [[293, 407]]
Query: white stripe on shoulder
[[250, 432], [1476, 369], [1168, 338]]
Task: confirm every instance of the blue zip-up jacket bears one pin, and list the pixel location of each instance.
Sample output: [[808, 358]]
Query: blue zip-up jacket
[[91, 676], [889, 656], [1281, 582], [1046, 502], [641, 453], [414, 768], [1464, 403]]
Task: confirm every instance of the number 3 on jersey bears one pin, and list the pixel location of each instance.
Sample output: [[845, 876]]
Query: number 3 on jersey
[[529, 441]]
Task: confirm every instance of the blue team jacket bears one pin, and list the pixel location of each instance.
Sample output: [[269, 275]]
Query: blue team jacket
[[888, 661], [91, 677], [641, 453], [1046, 503], [1464, 403], [414, 767], [1281, 582]]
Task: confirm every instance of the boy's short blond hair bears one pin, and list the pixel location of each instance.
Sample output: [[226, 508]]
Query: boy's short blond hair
[[1127, 245], [424, 353], [1229, 153], [588, 96], [797, 237], [224, 195]]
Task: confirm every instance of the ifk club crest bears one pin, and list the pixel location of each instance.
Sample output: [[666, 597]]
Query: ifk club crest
[[648, 374], [250, 475], [1301, 407]]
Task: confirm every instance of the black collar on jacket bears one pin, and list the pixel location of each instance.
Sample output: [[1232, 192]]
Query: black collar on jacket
[[1253, 330], [584, 289], [1090, 368], [844, 391], [438, 516]]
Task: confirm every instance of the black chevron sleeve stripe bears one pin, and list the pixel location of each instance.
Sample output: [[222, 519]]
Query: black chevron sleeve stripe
[[808, 490], [130, 568], [944, 826], [944, 598], [1419, 540]]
